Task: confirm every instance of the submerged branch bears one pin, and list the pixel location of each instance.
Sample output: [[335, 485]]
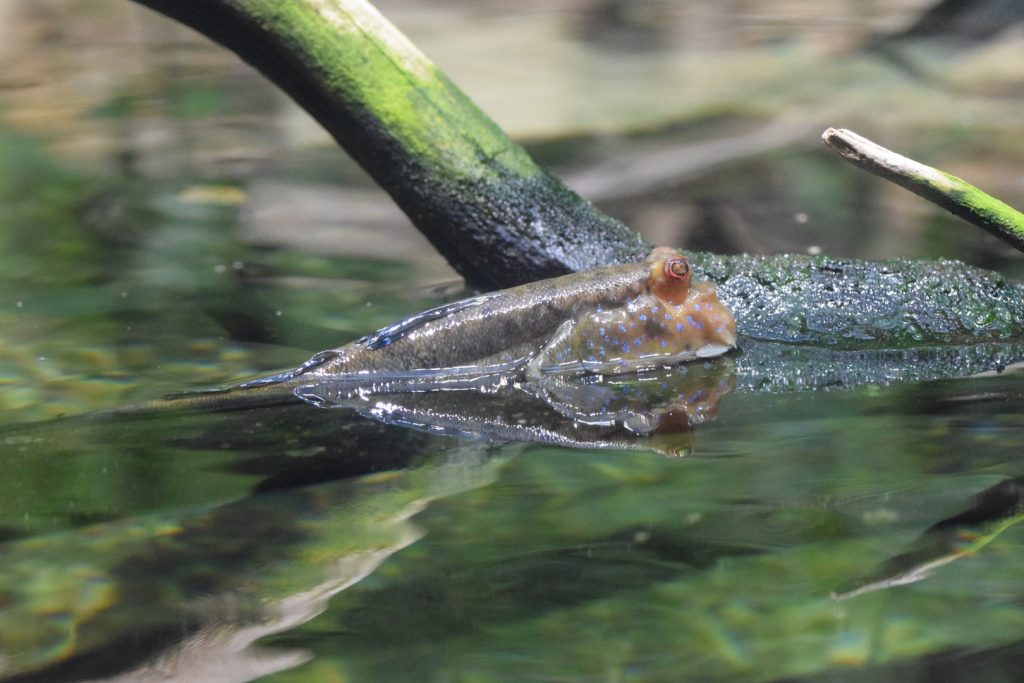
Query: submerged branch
[[951, 193]]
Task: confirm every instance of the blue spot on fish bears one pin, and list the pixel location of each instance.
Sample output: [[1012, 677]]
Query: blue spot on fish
[[693, 322], [622, 328], [668, 316], [643, 317], [679, 327], [664, 343], [625, 348]]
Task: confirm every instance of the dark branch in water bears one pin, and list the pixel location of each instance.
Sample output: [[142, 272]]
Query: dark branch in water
[[496, 216]]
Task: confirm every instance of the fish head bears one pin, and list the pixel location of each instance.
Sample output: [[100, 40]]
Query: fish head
[[671, 319], [694, 317]]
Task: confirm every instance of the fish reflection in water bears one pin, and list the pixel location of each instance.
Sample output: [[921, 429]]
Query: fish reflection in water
[[653, 410]]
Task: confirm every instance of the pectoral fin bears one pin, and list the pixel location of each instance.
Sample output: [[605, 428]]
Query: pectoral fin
[[555, 352]]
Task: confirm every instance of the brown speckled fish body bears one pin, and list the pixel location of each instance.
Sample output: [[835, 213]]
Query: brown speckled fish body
[[499, 328], [645, 332], [640, 315], [515, 333]]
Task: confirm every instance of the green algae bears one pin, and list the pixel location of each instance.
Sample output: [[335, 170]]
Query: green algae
[[362, 57], [475, 194], [984, 210], [263, 558], [850, 303]]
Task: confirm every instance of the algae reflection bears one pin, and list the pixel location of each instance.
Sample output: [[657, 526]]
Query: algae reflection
[[683, 545], [188, 591], [994, 511], [184, 595]]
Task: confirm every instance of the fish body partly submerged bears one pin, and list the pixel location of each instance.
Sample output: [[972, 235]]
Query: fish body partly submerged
[[610, 320]]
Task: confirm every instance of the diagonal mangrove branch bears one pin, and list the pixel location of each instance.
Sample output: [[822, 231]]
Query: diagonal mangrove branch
[[501, 220], [485, 205], [951, 193]]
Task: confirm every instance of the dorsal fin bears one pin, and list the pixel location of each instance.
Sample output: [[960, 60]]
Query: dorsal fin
[[316, 360], [395, 331]]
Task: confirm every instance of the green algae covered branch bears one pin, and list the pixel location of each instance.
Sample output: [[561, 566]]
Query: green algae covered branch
[[951, 193], [500, 220], [495, 215]]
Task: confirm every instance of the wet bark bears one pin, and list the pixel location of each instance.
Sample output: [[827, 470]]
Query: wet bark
[[498, 218]]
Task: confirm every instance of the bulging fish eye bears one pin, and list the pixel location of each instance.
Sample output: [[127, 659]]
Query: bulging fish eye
[[677, 268]]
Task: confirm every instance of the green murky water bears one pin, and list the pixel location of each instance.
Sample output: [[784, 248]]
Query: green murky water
[[308, 544], [868, 534]]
